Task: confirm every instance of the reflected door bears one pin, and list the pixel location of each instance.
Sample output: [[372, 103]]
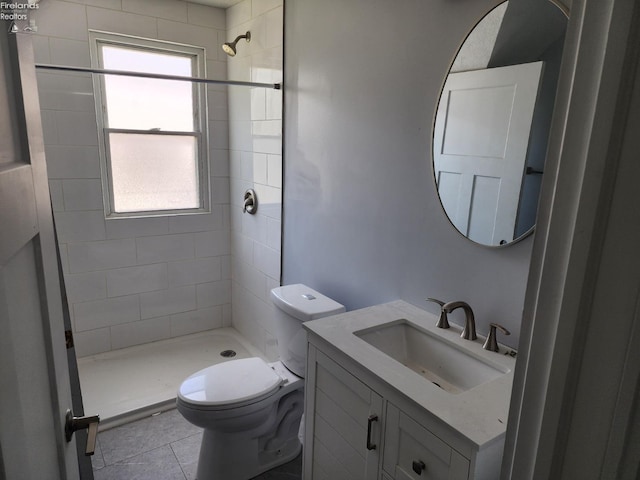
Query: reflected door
[[481, 138]]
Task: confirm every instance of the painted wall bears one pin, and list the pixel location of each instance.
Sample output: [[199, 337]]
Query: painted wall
[[131, 281], [362, 220], [255, 145]]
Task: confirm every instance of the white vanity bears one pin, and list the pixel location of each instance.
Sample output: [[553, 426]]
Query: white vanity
[[441, 415]]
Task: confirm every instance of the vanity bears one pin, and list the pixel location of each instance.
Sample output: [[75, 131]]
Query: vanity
[[391, 396]]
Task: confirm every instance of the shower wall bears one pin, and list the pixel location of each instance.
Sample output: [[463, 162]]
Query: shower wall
[[131, 281], [255, 136]]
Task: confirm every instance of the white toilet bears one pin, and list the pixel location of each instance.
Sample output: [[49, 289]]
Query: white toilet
[[250, 410]]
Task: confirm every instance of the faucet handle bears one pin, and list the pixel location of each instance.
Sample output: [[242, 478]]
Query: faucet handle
[[491, 343], [443, 321]]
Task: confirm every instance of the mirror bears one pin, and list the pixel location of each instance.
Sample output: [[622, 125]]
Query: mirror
[[493, 119]]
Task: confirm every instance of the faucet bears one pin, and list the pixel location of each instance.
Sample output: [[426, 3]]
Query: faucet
[[491, 343], [443, 321], [469, 332]]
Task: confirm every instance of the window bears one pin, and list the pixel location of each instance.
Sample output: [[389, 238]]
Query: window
[[152, 135]]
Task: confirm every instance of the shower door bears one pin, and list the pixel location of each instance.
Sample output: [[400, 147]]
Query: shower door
[[34, 374]]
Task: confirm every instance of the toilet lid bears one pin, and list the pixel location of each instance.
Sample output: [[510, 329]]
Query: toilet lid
[[232, 382]]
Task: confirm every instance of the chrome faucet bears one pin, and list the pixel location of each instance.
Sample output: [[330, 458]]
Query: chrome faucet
[[491, 343], [443, 321], [469, 332]]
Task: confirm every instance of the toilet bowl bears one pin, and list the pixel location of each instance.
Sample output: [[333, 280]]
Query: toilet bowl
[[250, 410]]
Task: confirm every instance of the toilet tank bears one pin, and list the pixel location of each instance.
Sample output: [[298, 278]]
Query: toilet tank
[[295, 304]]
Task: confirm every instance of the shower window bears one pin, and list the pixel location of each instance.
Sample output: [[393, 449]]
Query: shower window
[[152, 135]]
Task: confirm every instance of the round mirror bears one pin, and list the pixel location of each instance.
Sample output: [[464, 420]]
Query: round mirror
[[492, 124]]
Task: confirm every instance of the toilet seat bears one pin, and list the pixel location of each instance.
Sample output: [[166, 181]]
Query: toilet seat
[[230, 384]]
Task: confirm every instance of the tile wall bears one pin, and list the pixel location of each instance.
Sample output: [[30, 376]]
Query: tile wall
[[255, 147], [132, 281]]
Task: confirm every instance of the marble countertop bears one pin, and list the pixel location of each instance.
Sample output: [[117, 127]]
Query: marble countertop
[[479, 414]]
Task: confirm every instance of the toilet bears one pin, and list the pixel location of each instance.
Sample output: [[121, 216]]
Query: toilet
[[250, 410]]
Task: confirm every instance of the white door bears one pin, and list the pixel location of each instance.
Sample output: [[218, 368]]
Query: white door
[[480, 147], [34, 375]]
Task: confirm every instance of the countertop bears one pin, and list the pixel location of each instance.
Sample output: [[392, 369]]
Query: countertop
[[479, 414]]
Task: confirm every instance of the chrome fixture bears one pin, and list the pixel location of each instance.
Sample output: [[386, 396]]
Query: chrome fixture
[[73, 424], [443, 321], [250, 202], [491, 343], [159, 76], [469, 332], [230, 47], [372, 418]]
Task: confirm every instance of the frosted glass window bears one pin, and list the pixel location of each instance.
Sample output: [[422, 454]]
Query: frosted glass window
[[160, 172], [144, 103], [152, 143]]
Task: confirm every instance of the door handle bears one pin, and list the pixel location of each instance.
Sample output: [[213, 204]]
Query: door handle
[[78, 423]]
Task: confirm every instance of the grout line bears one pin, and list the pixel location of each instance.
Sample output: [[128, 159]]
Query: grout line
[[99, 448], [177, 459]]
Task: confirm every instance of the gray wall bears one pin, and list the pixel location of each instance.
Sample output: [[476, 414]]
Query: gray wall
[[362, 221]]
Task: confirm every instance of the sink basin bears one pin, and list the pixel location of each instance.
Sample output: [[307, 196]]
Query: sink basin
[[442, 362]]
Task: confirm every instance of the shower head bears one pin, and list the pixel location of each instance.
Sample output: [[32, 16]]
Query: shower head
[[230, 47]]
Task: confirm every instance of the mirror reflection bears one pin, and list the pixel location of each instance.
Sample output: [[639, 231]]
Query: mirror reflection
[[493, 119]]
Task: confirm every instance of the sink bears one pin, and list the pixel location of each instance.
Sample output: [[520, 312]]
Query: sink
[[443, 362]]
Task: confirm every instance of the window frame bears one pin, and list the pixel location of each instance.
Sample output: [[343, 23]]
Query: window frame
[[200, 132]]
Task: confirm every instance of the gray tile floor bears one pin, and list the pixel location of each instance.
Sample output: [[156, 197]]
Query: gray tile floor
[[161, 447]]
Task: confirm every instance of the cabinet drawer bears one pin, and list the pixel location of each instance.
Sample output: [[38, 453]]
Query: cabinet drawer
[[413, 453]]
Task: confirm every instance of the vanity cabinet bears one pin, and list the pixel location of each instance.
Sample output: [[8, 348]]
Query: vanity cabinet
[[353, 432], [343, 424], [357, 427], [411, 451]]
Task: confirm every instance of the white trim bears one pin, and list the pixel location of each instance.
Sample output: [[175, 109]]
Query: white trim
[[197, 54], [568, 342]]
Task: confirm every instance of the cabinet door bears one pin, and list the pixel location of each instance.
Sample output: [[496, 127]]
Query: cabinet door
[[346, 423], [413, 453]]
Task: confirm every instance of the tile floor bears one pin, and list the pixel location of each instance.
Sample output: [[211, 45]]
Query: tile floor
[[161, 447]]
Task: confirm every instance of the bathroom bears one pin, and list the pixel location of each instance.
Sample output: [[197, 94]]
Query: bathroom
[[356, 220], [133, 281]]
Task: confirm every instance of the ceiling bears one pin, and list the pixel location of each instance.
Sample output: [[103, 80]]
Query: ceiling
[[216, 3]]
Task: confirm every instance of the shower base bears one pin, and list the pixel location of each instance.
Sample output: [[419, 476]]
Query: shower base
[[135, 382]]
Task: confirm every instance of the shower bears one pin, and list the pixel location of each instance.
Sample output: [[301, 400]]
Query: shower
[[230, 47]]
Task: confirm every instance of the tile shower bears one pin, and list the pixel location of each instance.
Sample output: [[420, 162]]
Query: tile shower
[[134, 281]]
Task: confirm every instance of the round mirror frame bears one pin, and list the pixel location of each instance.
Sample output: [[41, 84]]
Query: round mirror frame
[[565, 12]]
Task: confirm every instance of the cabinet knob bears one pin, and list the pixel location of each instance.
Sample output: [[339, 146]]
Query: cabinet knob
[[418, 466]]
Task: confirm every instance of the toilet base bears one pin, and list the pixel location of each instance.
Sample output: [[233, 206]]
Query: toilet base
[[241, 462], [243, 455]]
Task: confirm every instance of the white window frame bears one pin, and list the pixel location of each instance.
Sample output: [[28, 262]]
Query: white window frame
[[98, 38]]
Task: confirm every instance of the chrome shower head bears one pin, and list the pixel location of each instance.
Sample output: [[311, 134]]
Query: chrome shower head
[[230, 47]]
